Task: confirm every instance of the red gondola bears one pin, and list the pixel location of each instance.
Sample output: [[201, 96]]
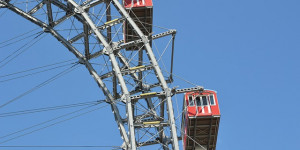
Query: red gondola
[[201, 120], [141, 11]]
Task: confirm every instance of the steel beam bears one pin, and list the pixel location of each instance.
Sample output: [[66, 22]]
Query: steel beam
[[86, 40], [151, 125], [124, 61], [81, 59], [131, 43], [138, 79], [79, 11], [24, 15], [159, 74], [62, 19], [110, 97], [100, 83], [172, 57], [126, 72], [126, 94], [49, 12], [36, 8], [102, 27], [67, 8], [162, 94]]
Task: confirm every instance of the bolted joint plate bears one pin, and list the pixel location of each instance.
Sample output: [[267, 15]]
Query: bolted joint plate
[[168, 92], [145, 39], [78, 10]]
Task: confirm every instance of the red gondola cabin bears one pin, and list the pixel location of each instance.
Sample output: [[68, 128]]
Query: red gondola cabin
[[201, 120], [141, 11]]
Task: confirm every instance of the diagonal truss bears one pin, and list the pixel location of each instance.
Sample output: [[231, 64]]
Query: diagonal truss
[[132, 81]]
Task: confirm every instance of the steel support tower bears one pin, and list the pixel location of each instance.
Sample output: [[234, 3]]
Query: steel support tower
[[132, 81]]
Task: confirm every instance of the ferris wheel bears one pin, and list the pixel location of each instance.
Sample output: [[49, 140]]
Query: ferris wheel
[[134, 76]]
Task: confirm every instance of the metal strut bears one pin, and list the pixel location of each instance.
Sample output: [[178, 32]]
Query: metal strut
[[81, 58], [157, 71], [151, 118], [108, 48]]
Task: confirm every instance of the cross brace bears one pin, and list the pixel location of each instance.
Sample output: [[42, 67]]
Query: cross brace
[[127, 71], [131, 43], [102, 27]]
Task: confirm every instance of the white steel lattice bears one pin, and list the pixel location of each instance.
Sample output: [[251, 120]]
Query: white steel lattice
[[132, 81]]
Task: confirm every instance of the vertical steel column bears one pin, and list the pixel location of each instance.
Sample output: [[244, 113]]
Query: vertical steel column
[[158, 73], [49, 12], [108, 18], [117, 70], [86, 40], [162, 115], [140, 74]]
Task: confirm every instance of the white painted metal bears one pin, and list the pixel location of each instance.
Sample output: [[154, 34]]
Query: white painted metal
[[157, 71], [80, 12], [116, 68]]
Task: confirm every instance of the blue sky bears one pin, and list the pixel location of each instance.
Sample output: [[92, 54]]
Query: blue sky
[[248, 51]]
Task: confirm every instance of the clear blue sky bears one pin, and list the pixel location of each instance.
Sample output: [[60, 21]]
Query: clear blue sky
[[248, 51]]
